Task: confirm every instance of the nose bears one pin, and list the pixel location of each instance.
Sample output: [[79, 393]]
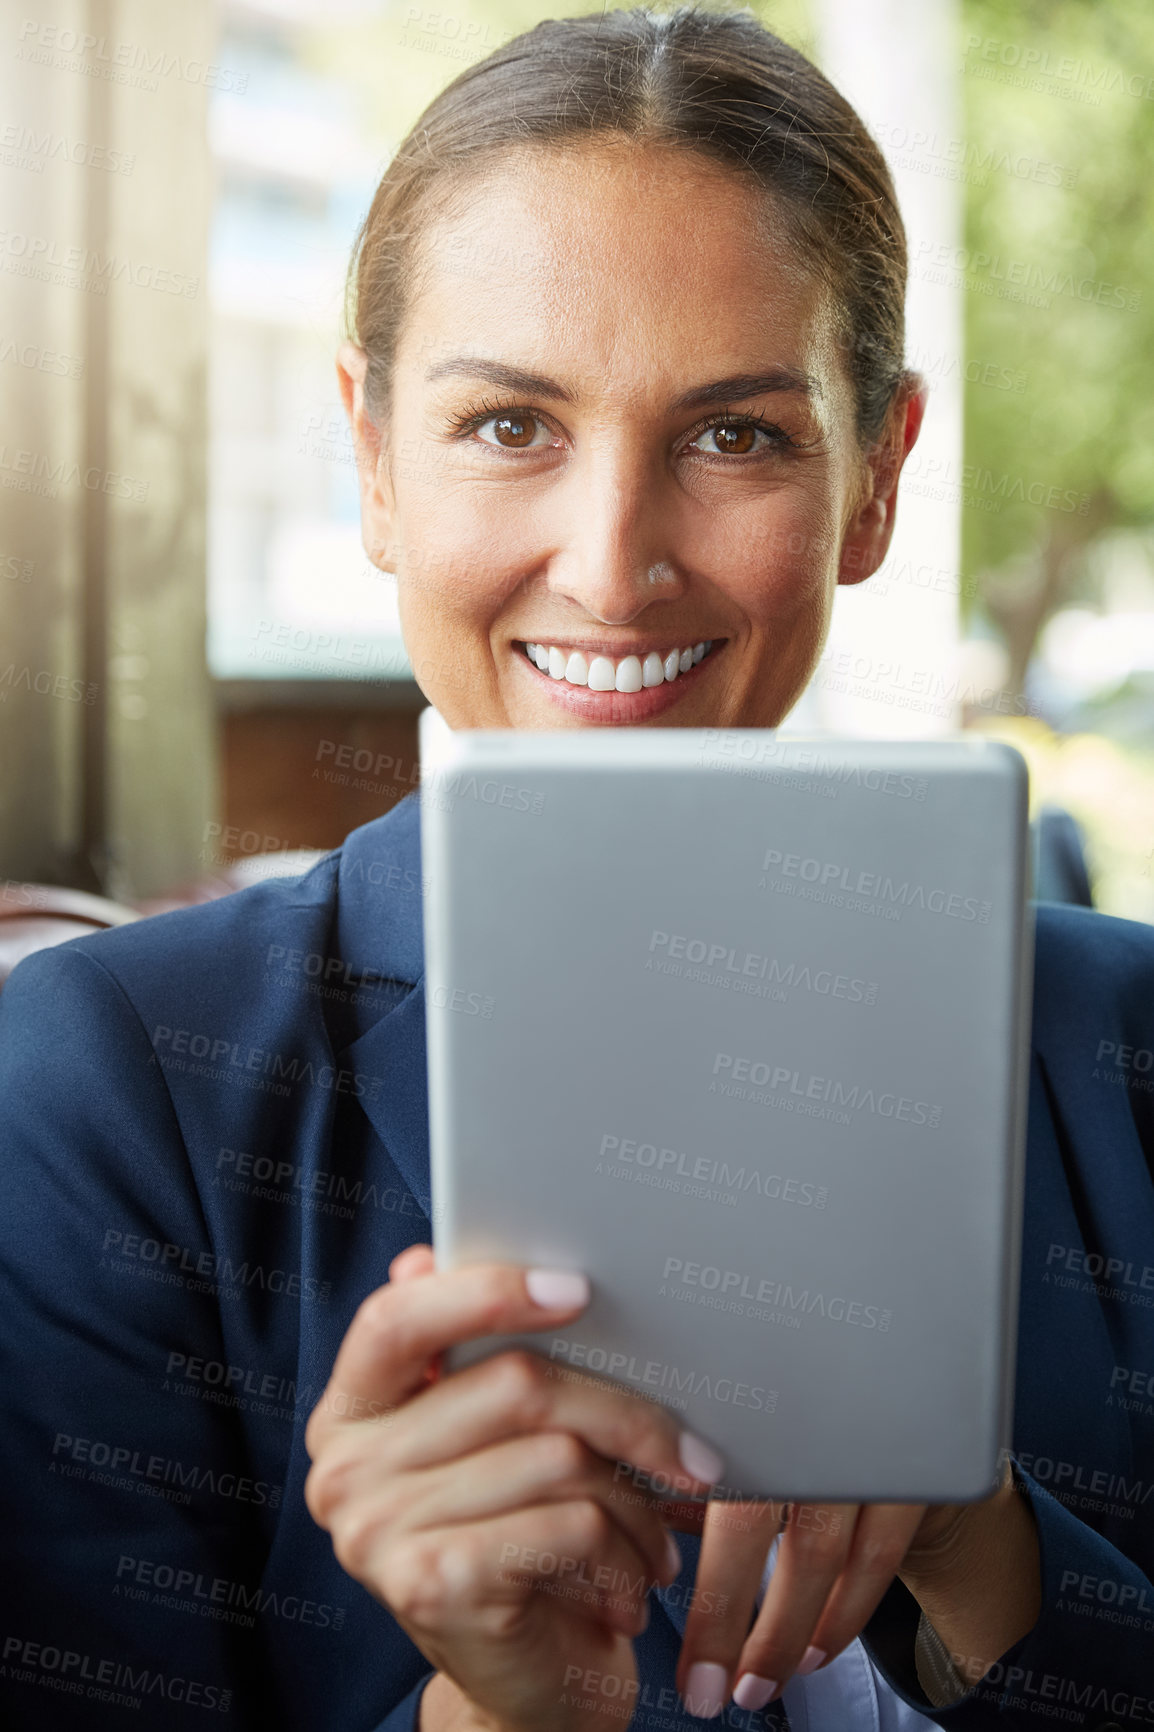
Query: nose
[[617, 558]]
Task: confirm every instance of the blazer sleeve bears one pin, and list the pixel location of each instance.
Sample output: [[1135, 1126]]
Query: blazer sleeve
[[1100, 1671], [105, 1467], [406, 1716]]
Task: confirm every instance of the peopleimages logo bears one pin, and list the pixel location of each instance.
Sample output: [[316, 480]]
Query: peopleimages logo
[[671, 1380], [124, 1458], [240, 1060], [33, 255], [752, 964], [441, 788], [722, 1289], [708, 1178], [865, 892], [117, 61], [220, 1592], [104, 1680], [826, 1091]]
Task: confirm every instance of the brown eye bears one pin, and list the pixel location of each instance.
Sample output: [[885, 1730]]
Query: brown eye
[[513, 431], [734, 439], [738, 438]]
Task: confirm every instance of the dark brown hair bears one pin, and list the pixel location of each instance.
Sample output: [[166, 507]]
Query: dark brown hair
[[715, 83]]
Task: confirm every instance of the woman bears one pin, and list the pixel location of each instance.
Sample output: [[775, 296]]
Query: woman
[[626, 386]]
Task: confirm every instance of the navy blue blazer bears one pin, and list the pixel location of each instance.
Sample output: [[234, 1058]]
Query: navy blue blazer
[[214, 1138]]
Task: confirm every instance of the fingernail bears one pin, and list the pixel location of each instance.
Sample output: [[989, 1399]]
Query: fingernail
[[672, 1556], [751, 1691], [557, 1289], [705, 1690], [700, 1458], [810, 1661]]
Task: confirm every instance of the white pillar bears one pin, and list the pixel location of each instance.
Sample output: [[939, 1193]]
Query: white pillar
[[891, 664], [107, 725]]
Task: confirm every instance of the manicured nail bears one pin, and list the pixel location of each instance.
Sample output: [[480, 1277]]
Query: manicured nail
[[672, 1556], [557, 1289], [705, 1690], [810, 1661], [700, 1458], [752, 1691]]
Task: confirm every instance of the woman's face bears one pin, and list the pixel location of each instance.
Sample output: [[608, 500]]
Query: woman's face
[[620, 429]]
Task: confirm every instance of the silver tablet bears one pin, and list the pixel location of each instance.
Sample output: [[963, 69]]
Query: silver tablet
[[738, 1025]]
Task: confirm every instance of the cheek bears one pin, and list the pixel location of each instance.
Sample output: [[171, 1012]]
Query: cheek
[[443, 581], [449, 652], [453, 546], [446, 608], [791, 569]]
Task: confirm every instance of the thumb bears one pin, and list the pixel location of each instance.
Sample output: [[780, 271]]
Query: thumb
[[415, 1260], [408, 1265]]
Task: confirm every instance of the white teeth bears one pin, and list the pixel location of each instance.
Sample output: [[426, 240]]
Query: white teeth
[[629, 674], [602, 674]]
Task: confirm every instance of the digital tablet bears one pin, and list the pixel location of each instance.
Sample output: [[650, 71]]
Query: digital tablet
[[738, 1025]]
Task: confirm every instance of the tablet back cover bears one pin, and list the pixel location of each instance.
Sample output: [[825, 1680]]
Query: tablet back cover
[[737, 1025]]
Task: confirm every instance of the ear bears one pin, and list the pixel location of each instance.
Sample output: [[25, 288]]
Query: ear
[[870, 529], [377, 503]]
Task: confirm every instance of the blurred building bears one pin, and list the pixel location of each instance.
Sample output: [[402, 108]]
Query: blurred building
[[291, 593], [314, 689]]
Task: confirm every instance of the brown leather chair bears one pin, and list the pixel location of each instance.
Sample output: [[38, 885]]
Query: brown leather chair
[[33, 916], [233, 875]]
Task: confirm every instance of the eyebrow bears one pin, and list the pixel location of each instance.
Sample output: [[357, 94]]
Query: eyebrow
[[734, 389]]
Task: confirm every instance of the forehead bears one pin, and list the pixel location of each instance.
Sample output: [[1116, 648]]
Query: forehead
[[626, 263]]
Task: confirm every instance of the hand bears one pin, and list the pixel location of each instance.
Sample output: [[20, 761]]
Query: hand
[[479, 1506], [834, 1564], [973, 1567], [976, 1571]]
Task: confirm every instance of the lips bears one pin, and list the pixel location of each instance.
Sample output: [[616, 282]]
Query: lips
[[617, 691]]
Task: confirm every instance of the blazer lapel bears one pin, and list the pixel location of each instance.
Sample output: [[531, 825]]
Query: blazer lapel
[[392, 1055], [379, 942]]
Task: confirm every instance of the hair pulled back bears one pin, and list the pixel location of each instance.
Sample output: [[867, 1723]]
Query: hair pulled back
[[715, 83]]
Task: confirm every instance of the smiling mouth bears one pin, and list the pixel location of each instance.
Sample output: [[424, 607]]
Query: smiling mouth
[[630, 673]]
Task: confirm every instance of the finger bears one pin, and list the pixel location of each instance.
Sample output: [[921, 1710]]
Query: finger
[[398, 1330], [440, 1580], [683, 1516], [519, 1392], [735, 1539], [815, 1545], [539, 1467], [881, 1540], [546, 1467]]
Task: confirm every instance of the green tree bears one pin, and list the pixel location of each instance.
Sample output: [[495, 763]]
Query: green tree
[[1059, 119]]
